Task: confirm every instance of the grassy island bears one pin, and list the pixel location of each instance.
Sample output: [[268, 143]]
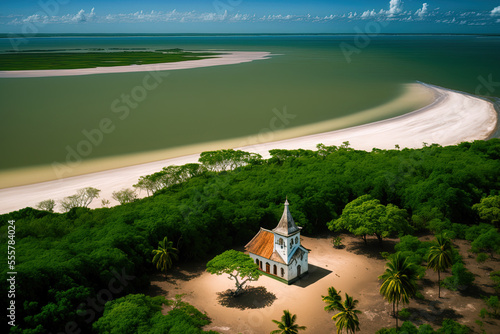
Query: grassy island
[[90, 58]]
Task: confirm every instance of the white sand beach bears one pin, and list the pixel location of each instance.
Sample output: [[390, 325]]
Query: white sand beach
[[451, 118], [226, 58]]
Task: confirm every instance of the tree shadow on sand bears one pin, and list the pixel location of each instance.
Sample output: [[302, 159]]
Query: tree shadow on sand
[[372, 248], [433, 314], [473, 291], [186, 274], [252, 298], [156, 290]]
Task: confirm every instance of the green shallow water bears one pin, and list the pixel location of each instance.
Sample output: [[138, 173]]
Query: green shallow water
[[308, 75]]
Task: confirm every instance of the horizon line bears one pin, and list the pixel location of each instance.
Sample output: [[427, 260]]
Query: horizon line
[[10, 34]]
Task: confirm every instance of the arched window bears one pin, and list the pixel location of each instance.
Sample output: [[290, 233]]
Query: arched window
[[282, 272], [280, 242], [296, 240], [291, 242], [257, 262], [275, 270]]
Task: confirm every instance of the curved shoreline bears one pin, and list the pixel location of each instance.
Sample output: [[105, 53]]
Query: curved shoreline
[[413, 97], [226, 58], [451, 118]]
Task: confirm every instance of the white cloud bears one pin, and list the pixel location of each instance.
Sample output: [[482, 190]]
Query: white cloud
[[395, 7], [80, 16], [395, 12], [368, 14], [36, 18], [423, 11]]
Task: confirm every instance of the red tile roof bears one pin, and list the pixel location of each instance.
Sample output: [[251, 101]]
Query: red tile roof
[[262, 244]]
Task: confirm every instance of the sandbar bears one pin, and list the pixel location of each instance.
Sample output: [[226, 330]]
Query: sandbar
[[226, 58], [451, 118]]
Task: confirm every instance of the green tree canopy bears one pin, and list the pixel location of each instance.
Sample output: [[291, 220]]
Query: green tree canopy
[[448, 327], [489, 242], [125, 195], [236, 265], [366, 216], [222, 160], [140, 314], [46, 205], [489, 209], [461, 277], [415, 251], [82, 198], [129, 314]]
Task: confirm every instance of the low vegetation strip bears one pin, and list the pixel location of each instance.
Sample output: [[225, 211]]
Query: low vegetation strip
[[74, 59]]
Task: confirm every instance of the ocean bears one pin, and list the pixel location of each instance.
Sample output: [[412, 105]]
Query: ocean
[[310, 78]]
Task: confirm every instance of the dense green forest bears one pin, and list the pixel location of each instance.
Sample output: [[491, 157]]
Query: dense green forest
[[69, 264]]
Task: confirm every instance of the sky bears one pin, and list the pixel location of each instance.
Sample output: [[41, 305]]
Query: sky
[[249, 16]]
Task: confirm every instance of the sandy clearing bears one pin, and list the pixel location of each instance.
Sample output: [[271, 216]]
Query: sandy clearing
[[353, 270], [227, 58], [266, 299], [452, 118]]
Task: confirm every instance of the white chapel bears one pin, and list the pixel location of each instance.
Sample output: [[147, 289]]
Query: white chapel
[[278, 252]]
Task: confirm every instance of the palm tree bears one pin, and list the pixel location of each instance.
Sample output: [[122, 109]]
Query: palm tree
[[399, 282], [347, 318], [164, 254], [333, 300], [287, 324], [439, 258]]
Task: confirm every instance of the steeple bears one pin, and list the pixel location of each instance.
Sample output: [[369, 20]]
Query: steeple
[[286, 226]]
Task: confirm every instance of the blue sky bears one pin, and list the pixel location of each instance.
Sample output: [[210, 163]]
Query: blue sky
[[249, 16]]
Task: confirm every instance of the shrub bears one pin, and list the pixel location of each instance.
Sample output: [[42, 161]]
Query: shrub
[[452, 327], [495, 277], [337, 242], [481, 257], [483, 313], [494, 304], [461, 278], [404, 314]]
